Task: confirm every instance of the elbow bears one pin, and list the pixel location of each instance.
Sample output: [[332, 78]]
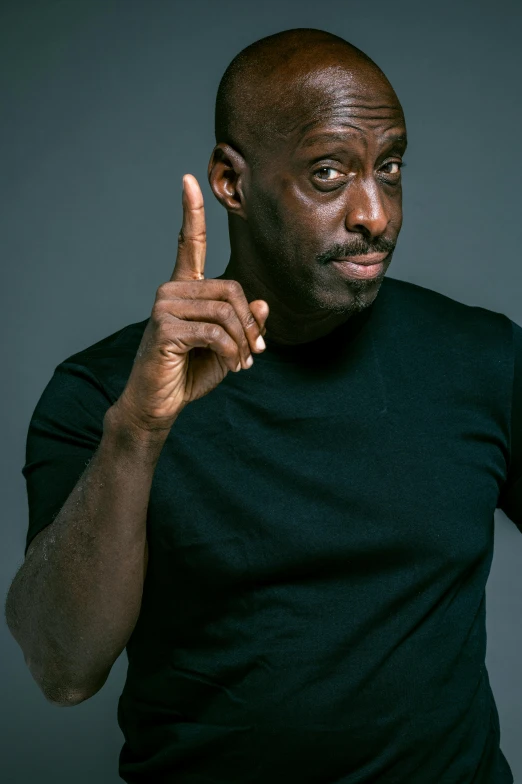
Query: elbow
[[64, 699], [58, 690], [62, 694], [65, 696]]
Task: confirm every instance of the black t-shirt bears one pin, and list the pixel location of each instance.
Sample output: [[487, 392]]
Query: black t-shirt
[[320, 534]]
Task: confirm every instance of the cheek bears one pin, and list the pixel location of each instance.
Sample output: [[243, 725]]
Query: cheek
[[308, 216], [275, 216], [264, 218], [322, 211], [291, 223], [395, 211]]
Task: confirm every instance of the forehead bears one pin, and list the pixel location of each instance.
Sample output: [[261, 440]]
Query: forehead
[[354, 102]]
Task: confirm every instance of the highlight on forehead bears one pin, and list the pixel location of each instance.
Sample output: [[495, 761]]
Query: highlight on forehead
[[283, 80]]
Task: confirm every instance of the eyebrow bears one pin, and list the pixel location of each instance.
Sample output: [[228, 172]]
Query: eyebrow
[[342, 137]]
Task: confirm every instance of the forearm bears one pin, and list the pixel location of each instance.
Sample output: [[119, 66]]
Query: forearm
[[76, 599]]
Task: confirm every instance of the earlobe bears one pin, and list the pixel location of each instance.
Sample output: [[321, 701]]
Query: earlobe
[[225, 175]]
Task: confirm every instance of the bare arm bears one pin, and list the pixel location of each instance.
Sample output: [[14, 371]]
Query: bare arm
[[75, 601]]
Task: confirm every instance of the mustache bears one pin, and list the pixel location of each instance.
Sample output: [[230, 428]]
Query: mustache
[[360, 248]]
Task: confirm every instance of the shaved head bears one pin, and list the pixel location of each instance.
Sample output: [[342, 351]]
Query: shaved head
[[283, 83]]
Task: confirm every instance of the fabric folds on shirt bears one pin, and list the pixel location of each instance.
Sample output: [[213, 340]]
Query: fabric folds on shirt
[[320, 532]]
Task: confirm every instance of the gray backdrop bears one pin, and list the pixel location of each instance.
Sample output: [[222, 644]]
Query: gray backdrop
[[104, 106]]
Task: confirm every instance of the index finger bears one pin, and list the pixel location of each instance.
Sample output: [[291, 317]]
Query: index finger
[[192, 239]]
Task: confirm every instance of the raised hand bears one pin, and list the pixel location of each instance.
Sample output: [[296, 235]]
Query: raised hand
[[199, 330]]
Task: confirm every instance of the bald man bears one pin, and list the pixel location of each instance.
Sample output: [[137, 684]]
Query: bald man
[[287, 513]]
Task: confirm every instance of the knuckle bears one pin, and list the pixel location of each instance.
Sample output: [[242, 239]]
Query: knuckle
[[235, 288], [161, 310], [157, 313], [225, 311], [163, 322], [213, 332], [197, 236], [165, 290]]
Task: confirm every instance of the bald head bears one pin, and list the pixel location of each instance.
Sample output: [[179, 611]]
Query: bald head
[[310, 137], [287, 82]]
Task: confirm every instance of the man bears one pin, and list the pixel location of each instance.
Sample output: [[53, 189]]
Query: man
[[295, 556]]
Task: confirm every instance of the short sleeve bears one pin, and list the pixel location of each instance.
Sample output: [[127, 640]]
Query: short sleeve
[[510, 500], [64, 432]]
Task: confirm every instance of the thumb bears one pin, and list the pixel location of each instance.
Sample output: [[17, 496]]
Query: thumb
[[260, 311]]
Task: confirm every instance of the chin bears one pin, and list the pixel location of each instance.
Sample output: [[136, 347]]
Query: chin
[[354, 296]]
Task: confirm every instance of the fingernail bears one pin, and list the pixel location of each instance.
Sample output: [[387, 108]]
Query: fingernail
[[260, 344], [250, 361], [238, 367]]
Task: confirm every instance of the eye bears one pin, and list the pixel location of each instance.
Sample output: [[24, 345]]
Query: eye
[[329, 171], [396, 167]]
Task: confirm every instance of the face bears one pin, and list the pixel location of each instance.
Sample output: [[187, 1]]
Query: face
[[328, 188]]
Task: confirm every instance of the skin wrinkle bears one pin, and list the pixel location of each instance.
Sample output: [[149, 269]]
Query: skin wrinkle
[[297, 102], [323, 86], [339, 137], [259, 92], [325, 111]]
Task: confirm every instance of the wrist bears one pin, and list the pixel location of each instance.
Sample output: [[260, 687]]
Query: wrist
[[122, 427]]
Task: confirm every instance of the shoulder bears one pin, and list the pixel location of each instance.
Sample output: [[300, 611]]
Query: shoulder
[[108, 362], [125, 340], [438, 315]]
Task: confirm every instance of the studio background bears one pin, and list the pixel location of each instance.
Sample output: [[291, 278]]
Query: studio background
[[105, 105]]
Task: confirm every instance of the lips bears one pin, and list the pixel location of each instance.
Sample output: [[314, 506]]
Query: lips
[[365, 261], [360, 267]]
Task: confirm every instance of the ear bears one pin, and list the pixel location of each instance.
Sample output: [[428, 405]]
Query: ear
[[227, 171]]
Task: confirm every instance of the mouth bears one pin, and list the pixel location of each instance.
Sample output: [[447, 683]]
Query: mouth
[[369, 260], [360, 267]]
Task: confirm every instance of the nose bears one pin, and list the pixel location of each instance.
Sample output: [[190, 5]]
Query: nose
[[366, 212]]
